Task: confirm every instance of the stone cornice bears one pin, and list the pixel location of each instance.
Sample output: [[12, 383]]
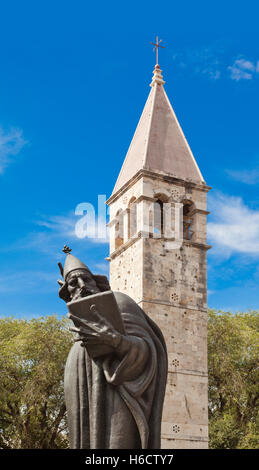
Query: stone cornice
[[139, 236], [174, 305], [159, 176], [203, 246], [198, 211]]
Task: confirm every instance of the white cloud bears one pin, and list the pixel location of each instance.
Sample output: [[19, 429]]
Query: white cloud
[[235, 228], [48, 238], [11, 143], [66, 226], [203, 61], [59, 224], [245, 64], [243, 69], [53, 232], [211, 62], [245, 176]]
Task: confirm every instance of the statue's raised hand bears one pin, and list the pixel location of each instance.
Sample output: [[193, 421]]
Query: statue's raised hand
[[96, 331]]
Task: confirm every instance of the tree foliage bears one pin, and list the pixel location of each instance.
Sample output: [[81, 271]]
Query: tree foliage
[[32, 359], [233, 342]]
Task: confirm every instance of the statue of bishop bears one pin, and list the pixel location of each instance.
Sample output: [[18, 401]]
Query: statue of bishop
[[115, 374]]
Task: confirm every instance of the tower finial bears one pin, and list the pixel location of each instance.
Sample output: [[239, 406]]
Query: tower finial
[[157, 45], [66, 249]]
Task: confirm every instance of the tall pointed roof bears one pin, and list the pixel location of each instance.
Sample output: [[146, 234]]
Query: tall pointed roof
[[159, 143]]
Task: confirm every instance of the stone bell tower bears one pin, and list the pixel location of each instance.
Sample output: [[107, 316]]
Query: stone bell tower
[[158, 257]]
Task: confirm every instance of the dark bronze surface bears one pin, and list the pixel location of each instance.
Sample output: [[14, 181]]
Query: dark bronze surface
[[113, 401]]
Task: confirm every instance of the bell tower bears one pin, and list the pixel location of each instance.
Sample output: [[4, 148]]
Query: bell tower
[[158, 256]]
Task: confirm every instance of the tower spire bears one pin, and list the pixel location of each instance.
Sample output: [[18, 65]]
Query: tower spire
[[159, 144]]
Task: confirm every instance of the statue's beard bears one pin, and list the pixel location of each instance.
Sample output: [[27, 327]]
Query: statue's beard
[[83, 292]]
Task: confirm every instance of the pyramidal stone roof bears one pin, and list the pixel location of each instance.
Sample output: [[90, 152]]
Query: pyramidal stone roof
[[159, 144]]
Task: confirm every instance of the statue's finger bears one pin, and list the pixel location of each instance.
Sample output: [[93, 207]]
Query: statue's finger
[[71, 316], [84, 324], [101, 323], [75, 330], [76, 319], [94, 326], [101, 318], [87, 331]]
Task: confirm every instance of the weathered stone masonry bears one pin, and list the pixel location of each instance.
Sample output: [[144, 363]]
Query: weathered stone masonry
[[168, 281]]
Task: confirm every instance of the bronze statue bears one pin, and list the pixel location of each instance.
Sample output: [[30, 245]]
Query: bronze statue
[[115, 376]]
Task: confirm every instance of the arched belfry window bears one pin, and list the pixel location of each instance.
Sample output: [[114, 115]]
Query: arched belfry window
[[132, 218], [159, 221], [188, 208], [158, 217], [119, 229]]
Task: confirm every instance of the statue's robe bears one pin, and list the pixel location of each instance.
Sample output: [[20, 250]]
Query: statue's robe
[[109, 405]]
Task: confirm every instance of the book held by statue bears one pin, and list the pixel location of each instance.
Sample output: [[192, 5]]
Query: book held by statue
[[106, 305]]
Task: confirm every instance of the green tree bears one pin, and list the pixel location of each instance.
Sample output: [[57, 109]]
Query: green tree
[[233, 342], [32, 360]]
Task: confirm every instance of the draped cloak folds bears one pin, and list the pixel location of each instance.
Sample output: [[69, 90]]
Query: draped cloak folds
[[108, 405]]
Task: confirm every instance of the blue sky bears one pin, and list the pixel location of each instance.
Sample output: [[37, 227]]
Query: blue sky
[[74, 79]]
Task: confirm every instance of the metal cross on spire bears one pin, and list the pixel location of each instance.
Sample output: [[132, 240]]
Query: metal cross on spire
[[66, 249], [157, 45]]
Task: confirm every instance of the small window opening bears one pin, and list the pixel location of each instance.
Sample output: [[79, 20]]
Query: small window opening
[[158, 217], [187, 220]]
